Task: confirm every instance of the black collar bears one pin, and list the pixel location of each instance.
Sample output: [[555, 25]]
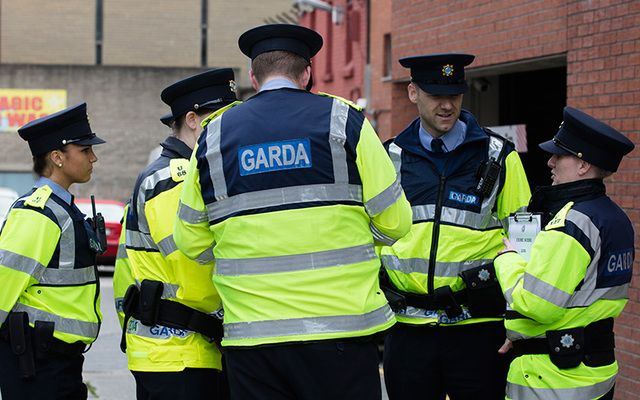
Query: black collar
[[550, 199], [173, 147]]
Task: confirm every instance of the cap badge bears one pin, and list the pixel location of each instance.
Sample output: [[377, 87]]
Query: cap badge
[[447, 70], [232, 85]]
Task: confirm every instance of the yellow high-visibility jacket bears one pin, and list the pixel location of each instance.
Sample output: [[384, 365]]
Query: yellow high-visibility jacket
[[47, 268], [288, 192]]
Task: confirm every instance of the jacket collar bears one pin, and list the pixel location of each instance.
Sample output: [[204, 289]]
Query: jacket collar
[[550, 199], [173, 147]]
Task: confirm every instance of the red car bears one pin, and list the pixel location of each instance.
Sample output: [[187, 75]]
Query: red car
[[112, 211]]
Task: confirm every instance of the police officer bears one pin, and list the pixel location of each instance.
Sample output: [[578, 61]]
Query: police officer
[[288, 191], [462, 181], [563, 301], [171, 309], [49, 302]]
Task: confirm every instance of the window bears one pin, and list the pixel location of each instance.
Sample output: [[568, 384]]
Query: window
[[386, 54]]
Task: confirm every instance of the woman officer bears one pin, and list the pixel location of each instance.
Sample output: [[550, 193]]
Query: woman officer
[[49, 298]]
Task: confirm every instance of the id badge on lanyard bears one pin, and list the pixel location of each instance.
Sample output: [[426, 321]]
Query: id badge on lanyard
[[523, 229]]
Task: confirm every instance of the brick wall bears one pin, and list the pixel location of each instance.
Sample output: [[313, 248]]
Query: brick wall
[[603, 79], [380, 103], [495, 32], [339, 67]]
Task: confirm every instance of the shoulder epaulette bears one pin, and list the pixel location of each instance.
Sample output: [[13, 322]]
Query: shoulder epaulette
[[342, 99], [560, 217], [218, 113], [38, 199], [178, 167]]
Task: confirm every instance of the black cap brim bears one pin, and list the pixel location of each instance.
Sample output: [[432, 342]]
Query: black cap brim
[[443, 90], [93, 140], [167, 119], [550, 147]]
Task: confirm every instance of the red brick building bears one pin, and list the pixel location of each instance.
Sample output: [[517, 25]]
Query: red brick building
[[532, 59]]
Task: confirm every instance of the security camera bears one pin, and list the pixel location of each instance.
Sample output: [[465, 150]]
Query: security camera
[[480, 84], [319, 4]]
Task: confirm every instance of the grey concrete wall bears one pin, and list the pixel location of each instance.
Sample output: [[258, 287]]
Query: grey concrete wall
[[124, 107]]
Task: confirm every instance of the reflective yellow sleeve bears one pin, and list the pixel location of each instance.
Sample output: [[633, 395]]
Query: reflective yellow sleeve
[[541, 288], [122, 276], [27, 243], [515, 192], [193, 238], [384, 198]]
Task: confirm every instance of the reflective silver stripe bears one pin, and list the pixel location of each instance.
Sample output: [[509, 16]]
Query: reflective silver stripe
[[395, 153], [67, 242], [455, 216], [206, 257], [519, 392], [283, 196], [3, 316], [137, 328], [421, 265], [545, 290], [337, 139], [139, 240], [307, 326], [148, 184], [381, 237], [122, 251], [21, 263], [169, 290], [384, 199], [508, 294], [583, 298], [65, 325], [515, 335], [296, 262], [167, 245], [191, 215], [214, 158], [64, 277]]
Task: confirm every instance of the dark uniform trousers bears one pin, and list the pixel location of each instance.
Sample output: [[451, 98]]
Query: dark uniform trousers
[[329, 369], [57, 377], [430, 362], [190, 383]]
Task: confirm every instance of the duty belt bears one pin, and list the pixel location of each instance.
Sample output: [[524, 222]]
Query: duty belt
[[145, 304], [567, 348], [482, 295], [30, 344]]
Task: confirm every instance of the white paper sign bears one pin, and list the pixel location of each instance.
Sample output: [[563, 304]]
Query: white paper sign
[[523, 229]]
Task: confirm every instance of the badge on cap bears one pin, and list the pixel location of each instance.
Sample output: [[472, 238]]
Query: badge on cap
[[233, 86], [447, 70]]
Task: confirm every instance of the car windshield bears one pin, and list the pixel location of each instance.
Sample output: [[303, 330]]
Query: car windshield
[[110, 212], [7, 197]]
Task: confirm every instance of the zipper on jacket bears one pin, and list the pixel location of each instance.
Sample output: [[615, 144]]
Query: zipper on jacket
[[435, 233]]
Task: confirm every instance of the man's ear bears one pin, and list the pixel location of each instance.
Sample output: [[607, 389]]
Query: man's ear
[[584, 168], [412, 92], [254, 81]]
